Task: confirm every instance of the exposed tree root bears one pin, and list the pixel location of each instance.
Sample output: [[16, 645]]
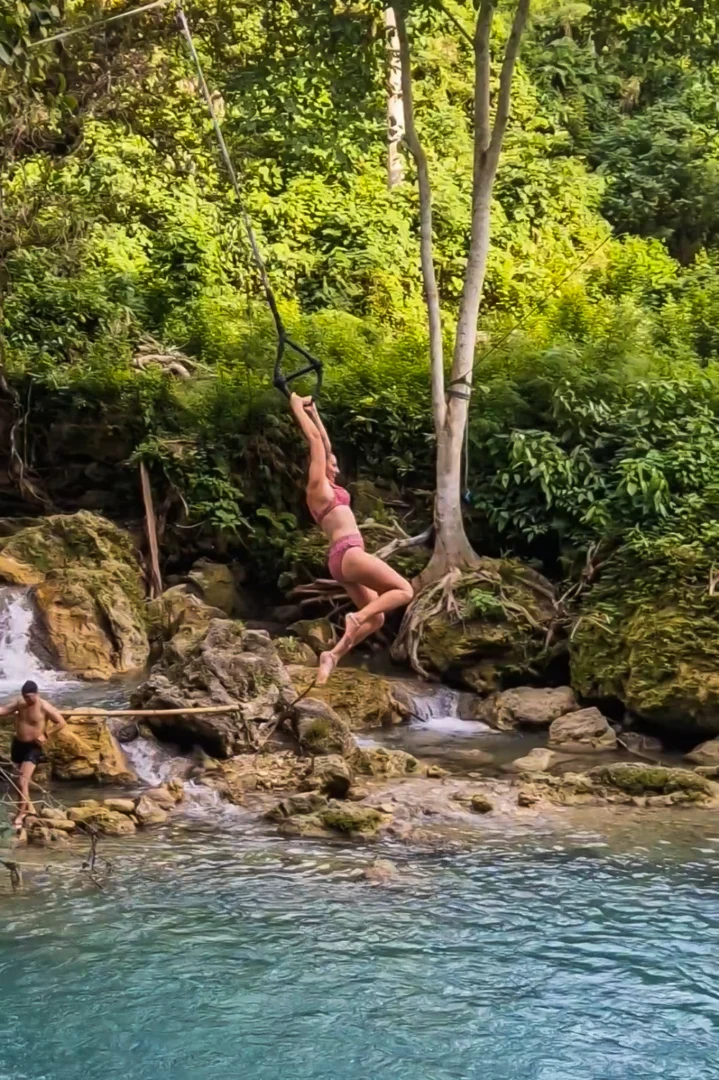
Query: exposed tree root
[[17, 467], [440, 599]]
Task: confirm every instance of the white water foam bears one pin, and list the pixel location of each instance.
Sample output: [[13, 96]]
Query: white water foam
[[156, 763], [17, 660], [438, 711]]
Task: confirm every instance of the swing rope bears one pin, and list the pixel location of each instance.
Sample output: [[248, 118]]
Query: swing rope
[[311, 365]]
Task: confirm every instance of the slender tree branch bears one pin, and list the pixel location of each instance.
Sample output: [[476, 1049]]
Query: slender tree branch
[[482, 130], [431, 291], [455, 21], [505, 79]]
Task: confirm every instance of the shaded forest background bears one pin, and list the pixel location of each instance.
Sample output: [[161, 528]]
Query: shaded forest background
[[594, 419]]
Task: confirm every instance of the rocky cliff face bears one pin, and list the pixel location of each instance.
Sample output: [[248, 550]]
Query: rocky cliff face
[[88, 588]]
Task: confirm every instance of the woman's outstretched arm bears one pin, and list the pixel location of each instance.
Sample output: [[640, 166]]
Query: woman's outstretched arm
[[318, 453], [312, 409]]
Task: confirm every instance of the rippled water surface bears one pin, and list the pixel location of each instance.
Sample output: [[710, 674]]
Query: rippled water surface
[[221, 955]]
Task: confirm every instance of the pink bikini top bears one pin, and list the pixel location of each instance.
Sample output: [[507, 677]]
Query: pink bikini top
[[341, 497]]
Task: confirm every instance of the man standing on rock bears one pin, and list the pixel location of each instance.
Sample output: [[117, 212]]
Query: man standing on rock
[[33, 714]]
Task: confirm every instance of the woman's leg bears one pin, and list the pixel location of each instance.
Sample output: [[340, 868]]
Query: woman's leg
[[360, 596], [391, 591]]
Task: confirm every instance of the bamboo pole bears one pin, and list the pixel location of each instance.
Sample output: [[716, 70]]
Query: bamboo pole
[[230, 707]]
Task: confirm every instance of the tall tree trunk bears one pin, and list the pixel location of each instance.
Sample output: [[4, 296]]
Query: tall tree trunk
[[395, 105], [452, 548], [431, 292]]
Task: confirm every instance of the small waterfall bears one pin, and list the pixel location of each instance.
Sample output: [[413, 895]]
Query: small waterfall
[[155, 763], [438, 703], [17, 660], [437, 709]]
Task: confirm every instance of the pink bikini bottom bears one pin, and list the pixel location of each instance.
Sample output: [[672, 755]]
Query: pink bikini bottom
[[337, 553]]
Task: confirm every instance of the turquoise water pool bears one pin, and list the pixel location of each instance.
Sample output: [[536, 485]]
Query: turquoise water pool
[[223, 955]]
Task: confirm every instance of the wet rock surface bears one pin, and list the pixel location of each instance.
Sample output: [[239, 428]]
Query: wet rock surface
[[362, 700], [481, 626], [227, 665], [89, 591], [528, 706], [584, 731]]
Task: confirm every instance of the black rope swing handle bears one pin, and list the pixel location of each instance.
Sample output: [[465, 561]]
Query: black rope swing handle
[[311, 364]]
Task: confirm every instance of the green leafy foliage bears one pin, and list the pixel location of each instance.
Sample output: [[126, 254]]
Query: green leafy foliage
[[594, 420]]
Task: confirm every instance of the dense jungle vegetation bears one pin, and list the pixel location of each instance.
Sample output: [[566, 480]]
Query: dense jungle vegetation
[[594, 418]]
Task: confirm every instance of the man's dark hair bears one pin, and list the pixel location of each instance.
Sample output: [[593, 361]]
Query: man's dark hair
[[29, 687]]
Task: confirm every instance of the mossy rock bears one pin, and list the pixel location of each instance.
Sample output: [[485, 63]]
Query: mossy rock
[[362, 700], [293, 651], [377, 761], [89, 591], [489, 626], [178, 615], [320, 730], [640, 779], [229, 665], [319, 634], [351, 819], [648, 634]]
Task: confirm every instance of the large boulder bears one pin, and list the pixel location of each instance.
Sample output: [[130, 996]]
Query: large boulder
[[321, 731], [529, 706], [648, 634], [89, 592], [228, 665], [707, 753], [220, 586], [362, 700], [584, 731], [180, 615], [85, 749], [481, 627], [626, 782]]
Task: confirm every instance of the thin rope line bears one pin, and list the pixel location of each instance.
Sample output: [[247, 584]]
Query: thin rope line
[[100, 22], [259, 261]]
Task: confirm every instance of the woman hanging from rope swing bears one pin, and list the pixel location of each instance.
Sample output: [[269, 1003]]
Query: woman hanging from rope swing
[[372, 586]]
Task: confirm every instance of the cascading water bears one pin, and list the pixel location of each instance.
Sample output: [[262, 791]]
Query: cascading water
[[437, 709], [155, 763], [17, 660]]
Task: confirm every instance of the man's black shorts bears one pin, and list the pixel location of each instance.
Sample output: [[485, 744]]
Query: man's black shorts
[[21, 751]]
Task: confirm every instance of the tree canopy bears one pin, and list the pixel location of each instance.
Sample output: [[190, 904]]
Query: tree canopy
[[118, 223]]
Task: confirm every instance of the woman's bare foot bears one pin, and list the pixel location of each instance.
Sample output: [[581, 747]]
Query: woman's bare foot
[[19, 821], [326, 666]]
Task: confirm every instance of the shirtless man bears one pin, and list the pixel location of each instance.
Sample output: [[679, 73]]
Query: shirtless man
[[33, 714]]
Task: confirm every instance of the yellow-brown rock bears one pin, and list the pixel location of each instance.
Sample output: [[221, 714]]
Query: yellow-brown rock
[[179, 615], [360, 699], [88, 590], [86, 750], [91, 624], [109, 822]]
